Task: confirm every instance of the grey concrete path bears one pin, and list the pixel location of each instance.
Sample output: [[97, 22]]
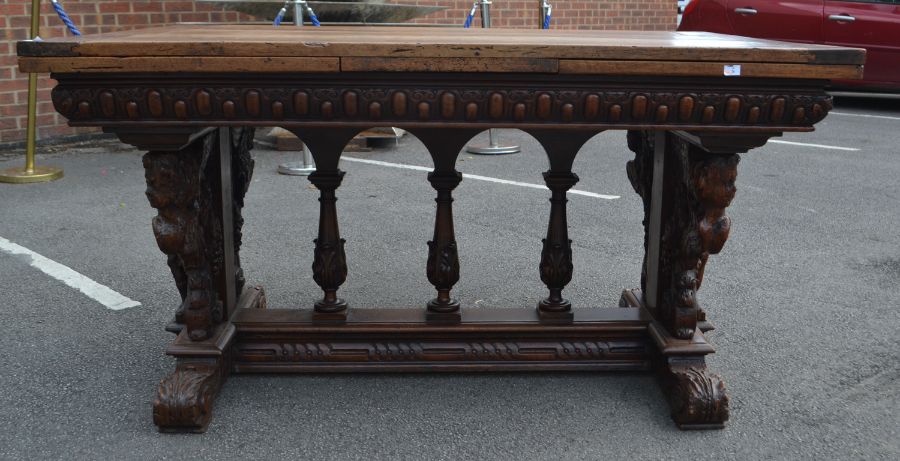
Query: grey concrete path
[[805, 295]]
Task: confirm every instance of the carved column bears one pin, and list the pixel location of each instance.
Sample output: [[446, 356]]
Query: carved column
[[443, 261], [329, 261], [561, 148], [556, 255], [442, 267]]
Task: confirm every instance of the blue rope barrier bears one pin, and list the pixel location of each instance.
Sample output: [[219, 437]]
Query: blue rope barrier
[[471, 16], [548, 10], [280, 17], [312, 17], [65, 17]]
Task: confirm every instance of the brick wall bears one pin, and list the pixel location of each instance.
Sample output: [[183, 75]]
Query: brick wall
[[93, 17], [567, 14]]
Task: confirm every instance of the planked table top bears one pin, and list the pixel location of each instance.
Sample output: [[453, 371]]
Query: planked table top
[[255, 48]]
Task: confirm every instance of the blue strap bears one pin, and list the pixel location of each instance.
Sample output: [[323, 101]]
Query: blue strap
[[547, 22], [65, 17]]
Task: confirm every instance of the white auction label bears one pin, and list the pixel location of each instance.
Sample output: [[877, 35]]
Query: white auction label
[[733, 70]]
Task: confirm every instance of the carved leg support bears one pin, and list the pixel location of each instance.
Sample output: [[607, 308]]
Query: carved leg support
[[687, 199], [697, 186], [185, 186], [174, 185]]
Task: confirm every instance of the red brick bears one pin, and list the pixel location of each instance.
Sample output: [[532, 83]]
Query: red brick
[[178, 6], [147, 7], [9, 10], [132, 19], [114, 7]]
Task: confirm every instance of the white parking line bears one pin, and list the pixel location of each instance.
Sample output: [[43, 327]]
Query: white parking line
[[100, 293], [885, 117], [478, 177], [821, 146]]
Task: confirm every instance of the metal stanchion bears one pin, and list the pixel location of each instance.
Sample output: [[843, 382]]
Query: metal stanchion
[[493, 147], [546, 12], [31, 173], [307, 166]]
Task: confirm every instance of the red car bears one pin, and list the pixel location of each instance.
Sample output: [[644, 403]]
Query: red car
[[870, 24]]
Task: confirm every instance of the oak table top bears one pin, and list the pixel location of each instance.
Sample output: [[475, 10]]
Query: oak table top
[[237, 48]]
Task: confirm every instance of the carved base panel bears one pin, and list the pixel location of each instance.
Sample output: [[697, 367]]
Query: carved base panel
[[261, 340], [403, 340]]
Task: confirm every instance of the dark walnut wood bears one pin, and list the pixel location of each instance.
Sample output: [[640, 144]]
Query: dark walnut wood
[[329, 260], [442, 267], [485, 100], [185, 398], [699, 186], [185, 187], [181, 93], [556, 266]]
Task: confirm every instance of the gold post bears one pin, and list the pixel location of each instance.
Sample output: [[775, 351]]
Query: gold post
[[31, 173]]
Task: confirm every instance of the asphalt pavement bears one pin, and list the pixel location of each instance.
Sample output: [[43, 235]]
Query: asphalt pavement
[[805, 297]]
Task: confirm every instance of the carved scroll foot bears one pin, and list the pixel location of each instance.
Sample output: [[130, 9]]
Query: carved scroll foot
[[185, 398], [697, 398]]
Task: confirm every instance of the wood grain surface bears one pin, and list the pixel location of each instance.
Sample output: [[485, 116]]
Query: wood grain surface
[[190, 48]]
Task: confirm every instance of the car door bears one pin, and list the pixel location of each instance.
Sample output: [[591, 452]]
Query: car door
[[870, 24], [793, 20]]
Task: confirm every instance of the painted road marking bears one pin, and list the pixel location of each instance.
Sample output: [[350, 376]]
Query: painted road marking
[[478, 177], [821, 146], [885, 117], [100, 293]]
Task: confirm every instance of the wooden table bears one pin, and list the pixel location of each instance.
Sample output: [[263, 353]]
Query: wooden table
[[190, 96]]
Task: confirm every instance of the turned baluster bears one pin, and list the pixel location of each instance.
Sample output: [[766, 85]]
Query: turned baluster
[[329, 261], [556, 254], [443, 261], [442, 268]]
